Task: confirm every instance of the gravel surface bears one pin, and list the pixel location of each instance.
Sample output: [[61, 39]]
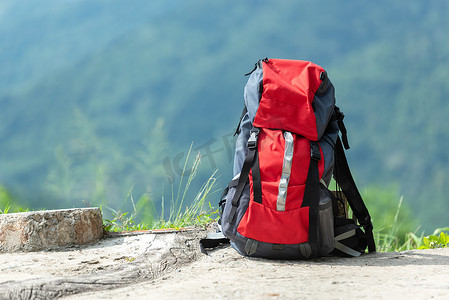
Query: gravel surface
[[171, 266]]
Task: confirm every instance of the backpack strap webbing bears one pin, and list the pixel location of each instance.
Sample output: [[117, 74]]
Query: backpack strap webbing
[[339, 116], [257, 182], [247, 165], [344, 179], [312, 196], [251, 162]]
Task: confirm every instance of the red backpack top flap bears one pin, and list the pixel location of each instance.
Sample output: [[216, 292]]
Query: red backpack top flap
[[289, 88]]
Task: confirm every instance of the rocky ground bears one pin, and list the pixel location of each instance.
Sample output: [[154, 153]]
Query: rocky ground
[[171, 266]]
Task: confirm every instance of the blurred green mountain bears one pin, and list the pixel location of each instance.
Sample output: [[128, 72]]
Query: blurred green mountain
[[97, 97]]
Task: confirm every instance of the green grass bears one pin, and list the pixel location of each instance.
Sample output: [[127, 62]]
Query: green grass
[[177, 215], [389, 242], [174, 213], [439, 239], [12, 208], [7, 203], [388, 238]]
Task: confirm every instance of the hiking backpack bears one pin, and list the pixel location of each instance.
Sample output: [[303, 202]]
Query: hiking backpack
[[278, 204]]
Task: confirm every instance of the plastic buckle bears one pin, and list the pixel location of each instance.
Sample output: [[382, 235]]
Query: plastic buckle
[[315, 153], [252, 141]]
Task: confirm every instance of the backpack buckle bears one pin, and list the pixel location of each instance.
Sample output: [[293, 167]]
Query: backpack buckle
[[344, 134], [252, 141], [315, 153]]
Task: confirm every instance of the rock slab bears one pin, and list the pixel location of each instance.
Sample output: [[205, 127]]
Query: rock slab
[[49, 230], [110, 263]]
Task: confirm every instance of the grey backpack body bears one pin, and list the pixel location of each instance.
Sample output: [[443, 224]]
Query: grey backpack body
[[288, 148]]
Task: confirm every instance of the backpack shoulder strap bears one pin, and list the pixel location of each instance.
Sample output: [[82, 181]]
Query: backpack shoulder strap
[[250, 160], [343, 176]]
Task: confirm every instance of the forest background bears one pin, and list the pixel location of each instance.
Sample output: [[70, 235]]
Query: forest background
[[101, 100]]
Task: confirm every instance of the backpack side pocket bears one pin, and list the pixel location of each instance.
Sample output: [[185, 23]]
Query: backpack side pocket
[[326, 239], [229, 227]]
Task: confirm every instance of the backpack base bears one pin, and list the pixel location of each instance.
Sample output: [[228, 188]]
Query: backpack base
[[253, 248]]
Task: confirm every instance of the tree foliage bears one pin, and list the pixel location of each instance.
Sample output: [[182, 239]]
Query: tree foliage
[[86, 85]]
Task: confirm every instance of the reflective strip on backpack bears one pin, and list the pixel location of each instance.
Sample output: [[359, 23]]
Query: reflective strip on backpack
[[342, 247], [345, 249], [286, 171]]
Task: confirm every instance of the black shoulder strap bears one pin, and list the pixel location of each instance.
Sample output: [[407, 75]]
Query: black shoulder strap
[[247, 166], [339, 116], [343, 176]]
